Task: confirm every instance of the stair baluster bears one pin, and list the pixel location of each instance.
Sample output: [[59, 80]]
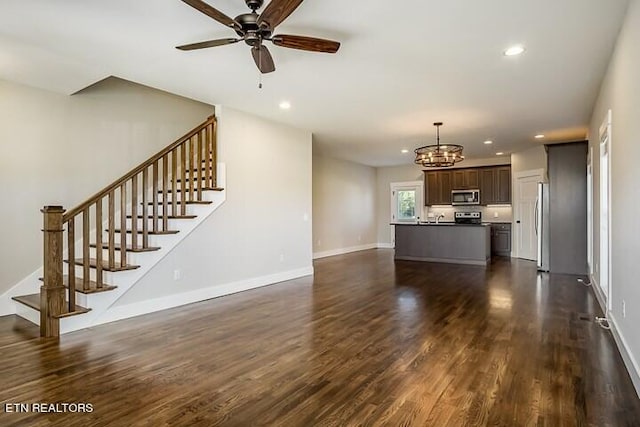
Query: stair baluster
[[145, 211], [165, 202], [112, 230], [183, 179], [207, 158], [199, 163], [99, 245], [123, 224], [134, 212], [86, 272], [174, 183], [71, 251]]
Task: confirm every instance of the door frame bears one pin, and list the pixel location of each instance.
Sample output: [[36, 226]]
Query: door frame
[[515, 239], [605, 143], [395, 186], [590, 206]]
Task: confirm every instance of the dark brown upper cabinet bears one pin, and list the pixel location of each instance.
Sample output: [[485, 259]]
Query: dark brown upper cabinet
[[494, 183], [487, 186], [437, 187], [466, 179], [503, 185]]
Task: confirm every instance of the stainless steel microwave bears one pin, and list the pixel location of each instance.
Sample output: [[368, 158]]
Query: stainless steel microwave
[[465, 197]]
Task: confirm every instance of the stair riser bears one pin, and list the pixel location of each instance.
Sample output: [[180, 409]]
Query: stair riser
[[28, 313]]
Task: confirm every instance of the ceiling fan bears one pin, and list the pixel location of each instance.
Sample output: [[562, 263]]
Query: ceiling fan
[[254, 28]]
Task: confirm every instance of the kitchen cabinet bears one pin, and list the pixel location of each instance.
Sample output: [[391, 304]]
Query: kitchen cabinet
[[501, 239], [494, 183], [437, 188], [503, 185], [487, 186], [466, 179]]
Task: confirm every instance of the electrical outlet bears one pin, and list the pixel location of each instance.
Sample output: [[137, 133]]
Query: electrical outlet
[[177, 274], [495, 215], [319, 242], [281, 257], [624, 309], [359, 238]]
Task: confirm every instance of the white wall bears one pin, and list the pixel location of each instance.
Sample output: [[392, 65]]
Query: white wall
[[59, 150], [263, 228], [620, 92], [344, 208], [529, 159]]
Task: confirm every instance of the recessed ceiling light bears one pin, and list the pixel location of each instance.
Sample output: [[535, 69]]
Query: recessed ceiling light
[[513, 51], [488, 142], [285, 105], [500, 153], [405, 151], [539, 136]]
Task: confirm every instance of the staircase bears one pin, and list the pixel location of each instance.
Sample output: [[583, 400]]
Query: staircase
[[108, 242]]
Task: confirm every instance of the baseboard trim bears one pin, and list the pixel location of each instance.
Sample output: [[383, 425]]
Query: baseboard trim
[[629, 361], [633, 368], [342, 251], [176, 300], [385, 246], [598, 293]]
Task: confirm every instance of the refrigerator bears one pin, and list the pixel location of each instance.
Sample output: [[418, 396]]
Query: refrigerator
[[541, 221]]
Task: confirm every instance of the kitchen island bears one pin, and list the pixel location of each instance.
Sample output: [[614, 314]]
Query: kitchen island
[[444, 242]]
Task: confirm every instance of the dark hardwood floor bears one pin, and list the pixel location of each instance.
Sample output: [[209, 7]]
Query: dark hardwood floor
[[367, 342]]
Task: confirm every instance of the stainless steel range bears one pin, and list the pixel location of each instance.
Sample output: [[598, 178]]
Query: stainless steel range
[[468, 217]]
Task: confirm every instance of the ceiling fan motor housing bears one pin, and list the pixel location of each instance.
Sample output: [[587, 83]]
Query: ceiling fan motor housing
[[250, 31], [254, 4]]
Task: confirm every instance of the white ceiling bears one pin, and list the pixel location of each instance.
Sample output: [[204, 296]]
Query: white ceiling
[[402, 65]]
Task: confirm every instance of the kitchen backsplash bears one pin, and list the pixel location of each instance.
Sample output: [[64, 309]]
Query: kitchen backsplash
[[492, 213]]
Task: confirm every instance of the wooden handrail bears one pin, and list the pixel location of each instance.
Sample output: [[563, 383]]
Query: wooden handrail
[[135, 171]]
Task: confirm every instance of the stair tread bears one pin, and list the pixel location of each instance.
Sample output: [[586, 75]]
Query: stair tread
[[152, 233], [187, 178], [188, 202], [129, 248], [179, 190], [33, 301], [169, 217], [93, 286], [93, 263]]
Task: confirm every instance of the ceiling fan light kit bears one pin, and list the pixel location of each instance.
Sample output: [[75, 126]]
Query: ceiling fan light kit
[[437, 155], [254, 29]]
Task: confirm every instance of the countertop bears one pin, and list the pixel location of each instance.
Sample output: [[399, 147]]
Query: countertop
[[449, 223], [440, 224]]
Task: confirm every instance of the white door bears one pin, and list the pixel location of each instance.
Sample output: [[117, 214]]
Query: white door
[[406, 203], [526, 240]]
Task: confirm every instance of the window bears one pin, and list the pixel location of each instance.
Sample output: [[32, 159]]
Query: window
[[406, 205]]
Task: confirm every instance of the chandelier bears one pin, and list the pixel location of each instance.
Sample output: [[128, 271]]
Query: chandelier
[[439, 156]]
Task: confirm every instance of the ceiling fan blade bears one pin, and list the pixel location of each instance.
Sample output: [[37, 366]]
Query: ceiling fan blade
[[306, 43], [263, 59], [277, 11], [209, 43], [213, 13]]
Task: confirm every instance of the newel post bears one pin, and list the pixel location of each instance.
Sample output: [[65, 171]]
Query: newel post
[[52, 293]]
